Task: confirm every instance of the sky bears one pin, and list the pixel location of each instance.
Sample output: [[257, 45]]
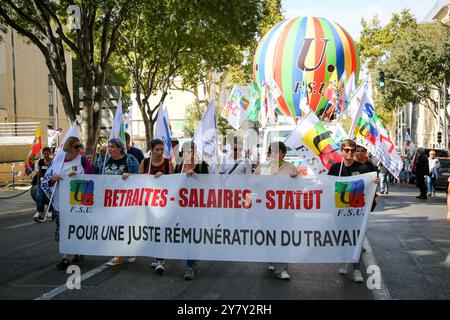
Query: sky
[[348, 13]]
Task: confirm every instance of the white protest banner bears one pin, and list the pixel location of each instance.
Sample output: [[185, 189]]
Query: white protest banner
[[321, 219], [52, 135]]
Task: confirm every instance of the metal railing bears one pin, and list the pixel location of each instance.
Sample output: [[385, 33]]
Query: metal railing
[[11, 129]]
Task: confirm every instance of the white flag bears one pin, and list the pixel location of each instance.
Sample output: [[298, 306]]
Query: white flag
[[205, 137], [235, 110], [162, 130], [51, 137], [117, 130], [57, 163]]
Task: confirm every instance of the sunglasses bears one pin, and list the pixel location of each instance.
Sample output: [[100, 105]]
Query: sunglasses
[[78, 146], [348, 150]]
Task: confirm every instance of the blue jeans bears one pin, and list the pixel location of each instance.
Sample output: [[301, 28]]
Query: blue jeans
[[41, 199], [384, 182], [430, 184], [190, 264]]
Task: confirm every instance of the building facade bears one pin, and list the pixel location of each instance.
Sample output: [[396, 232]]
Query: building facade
[[29, 97]]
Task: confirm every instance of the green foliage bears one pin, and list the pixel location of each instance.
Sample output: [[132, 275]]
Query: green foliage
[[418, 54], [194, 113]]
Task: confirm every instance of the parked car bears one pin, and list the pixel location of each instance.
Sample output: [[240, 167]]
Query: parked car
[[444, 173]]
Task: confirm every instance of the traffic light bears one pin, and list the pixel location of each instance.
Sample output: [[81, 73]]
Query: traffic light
[[439, 137], [381, 78]]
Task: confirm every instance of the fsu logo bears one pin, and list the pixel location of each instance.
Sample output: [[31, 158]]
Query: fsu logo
[[349, 194], [81, 193]]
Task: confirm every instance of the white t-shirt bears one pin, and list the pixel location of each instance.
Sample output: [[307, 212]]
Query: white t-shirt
[[228, 163]]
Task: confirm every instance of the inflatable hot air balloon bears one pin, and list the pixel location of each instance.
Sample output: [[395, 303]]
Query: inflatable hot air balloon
[[305, 51]]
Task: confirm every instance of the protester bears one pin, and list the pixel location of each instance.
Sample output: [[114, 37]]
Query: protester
[[73, 164], [361, 157], [234, 162], [421, 170], [158, 167], [403, 176], [41, 198], [137, 153], [191, 165], [99, 160], [350, 167], [384, 179], [434, 165], [119, 163], [277, 166]]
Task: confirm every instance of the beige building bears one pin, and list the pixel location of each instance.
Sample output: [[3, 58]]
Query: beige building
[[28, 96]]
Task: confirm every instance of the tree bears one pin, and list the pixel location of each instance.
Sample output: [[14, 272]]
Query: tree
[[417, 54], [170, 39], [92, 37]]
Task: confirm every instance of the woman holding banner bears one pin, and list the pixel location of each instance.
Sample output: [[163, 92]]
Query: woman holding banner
[[156, 165], [190, 165], [118, 162], [73, 164], [275, 167]]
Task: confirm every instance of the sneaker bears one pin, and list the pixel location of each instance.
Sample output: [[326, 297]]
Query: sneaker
[[131, 259], [283, 275], [159, 269], [189, 275], [39, 220], [39, 217], [270, 267], [429, 194], [357, 277], [343, 268], [114, 261], [154, 264], [387, 192], [382, 192]]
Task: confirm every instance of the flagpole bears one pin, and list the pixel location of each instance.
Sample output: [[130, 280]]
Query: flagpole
[[53, 193], [353, 96]]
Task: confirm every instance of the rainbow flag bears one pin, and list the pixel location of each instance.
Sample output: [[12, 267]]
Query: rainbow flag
[[35, 148], [314, 144], [349, 194]]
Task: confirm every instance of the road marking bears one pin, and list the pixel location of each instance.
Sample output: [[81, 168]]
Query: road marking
[[21, 225], [369, 260], [51, 294], [18, 212]]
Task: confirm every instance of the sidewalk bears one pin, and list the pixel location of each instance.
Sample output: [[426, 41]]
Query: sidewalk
[[20, 204]]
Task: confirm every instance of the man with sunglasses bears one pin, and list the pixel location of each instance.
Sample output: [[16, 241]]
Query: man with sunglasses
[[350, 167]]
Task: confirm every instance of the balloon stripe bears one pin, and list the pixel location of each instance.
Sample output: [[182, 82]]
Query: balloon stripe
[[263, 53], [280, 56], [353, 52], [319, 73], [330, 62], [339, 50], [297, 74], [347, 51], [271, 50], [288, 68]]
